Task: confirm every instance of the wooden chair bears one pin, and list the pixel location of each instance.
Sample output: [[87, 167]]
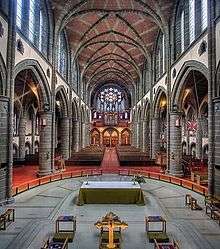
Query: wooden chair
[[7, 216], [54, 244], [168, 245], [216, 216], [191, 202]]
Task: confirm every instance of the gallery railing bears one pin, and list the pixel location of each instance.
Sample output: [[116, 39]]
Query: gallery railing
[[92, 172]]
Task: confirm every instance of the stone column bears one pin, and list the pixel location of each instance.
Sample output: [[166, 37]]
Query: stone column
[[133, 134], [216, 180], [144, 135], [137, 129], [21, 134], [155, 136], [140, 136], [4, 149], [187, 143], [88, 134], [64, 134], [199, 135], [33, 133], [45, 146], [75, 136], [83, 135], [175, 144]]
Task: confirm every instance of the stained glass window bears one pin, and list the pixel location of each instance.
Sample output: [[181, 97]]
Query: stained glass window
[[204, 13], [111, 99], [31, 20], [191, 20], [19, 13]]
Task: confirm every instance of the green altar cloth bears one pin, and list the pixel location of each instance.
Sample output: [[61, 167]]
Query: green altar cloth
[[110, 193]]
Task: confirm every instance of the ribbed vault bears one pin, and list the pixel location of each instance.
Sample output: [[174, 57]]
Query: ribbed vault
[[112, 39]]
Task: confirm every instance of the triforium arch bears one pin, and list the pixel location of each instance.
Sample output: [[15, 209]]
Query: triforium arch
[[181, 78], [2, 77], [29, 76], [44, 90], [74, 135], [84, 127], [95, 136], [110, 137], [126, 137], [189, 115], [146, 127], [62, 123], [159, 122]]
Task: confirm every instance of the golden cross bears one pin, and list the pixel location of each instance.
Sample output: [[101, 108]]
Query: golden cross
[[111, 221]]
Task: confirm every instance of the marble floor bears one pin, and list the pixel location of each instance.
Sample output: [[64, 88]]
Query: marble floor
[[37, 210]]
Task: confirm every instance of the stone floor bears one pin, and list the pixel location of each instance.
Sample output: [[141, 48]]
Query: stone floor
[[37, 210]]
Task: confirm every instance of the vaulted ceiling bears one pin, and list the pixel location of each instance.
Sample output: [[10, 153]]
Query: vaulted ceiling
[[112, 39]]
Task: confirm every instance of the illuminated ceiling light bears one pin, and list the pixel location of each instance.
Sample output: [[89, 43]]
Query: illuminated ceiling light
[[163, 103], [187, 91]]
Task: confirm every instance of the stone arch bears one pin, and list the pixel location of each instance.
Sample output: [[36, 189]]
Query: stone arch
[[27, 148], [184, 148], [15, 150], [180, 81], [218, 80], [160, 91], [83, 114], [75, 110], [126, 139], [203, 104], [36, 147], [95, 136], [193, 149], [61, 92], [110, 130], [35, 67], [2, 76], [139, 114], [146, 110], [205, 150]]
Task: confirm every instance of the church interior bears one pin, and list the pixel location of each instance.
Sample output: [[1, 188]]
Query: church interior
[[109, 124]]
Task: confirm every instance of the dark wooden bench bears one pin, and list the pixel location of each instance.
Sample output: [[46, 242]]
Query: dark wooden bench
[[216, 215], [7, 216], [191, 202]]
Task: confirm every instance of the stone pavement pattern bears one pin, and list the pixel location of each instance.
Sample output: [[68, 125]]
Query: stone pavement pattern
[[37, 210]]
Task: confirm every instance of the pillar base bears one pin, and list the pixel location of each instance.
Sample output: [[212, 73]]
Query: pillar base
[[175, 173], [8, 201], [42, 173]]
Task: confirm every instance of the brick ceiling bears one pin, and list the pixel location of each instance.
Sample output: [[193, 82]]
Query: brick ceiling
[[112, 39]]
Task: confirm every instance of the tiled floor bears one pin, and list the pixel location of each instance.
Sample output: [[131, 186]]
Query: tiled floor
[[37, 210]]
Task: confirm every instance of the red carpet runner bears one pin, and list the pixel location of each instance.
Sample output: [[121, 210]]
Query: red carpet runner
[[110, 160]]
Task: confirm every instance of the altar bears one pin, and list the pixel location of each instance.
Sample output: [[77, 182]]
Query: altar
[[115, 192]]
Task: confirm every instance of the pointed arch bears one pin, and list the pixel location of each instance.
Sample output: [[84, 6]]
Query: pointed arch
[[160, 91], [2, 76], [60, 91], [35, 67], [180, 81]]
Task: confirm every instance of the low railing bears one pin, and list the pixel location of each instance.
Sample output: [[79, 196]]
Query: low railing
[[92, 172]]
